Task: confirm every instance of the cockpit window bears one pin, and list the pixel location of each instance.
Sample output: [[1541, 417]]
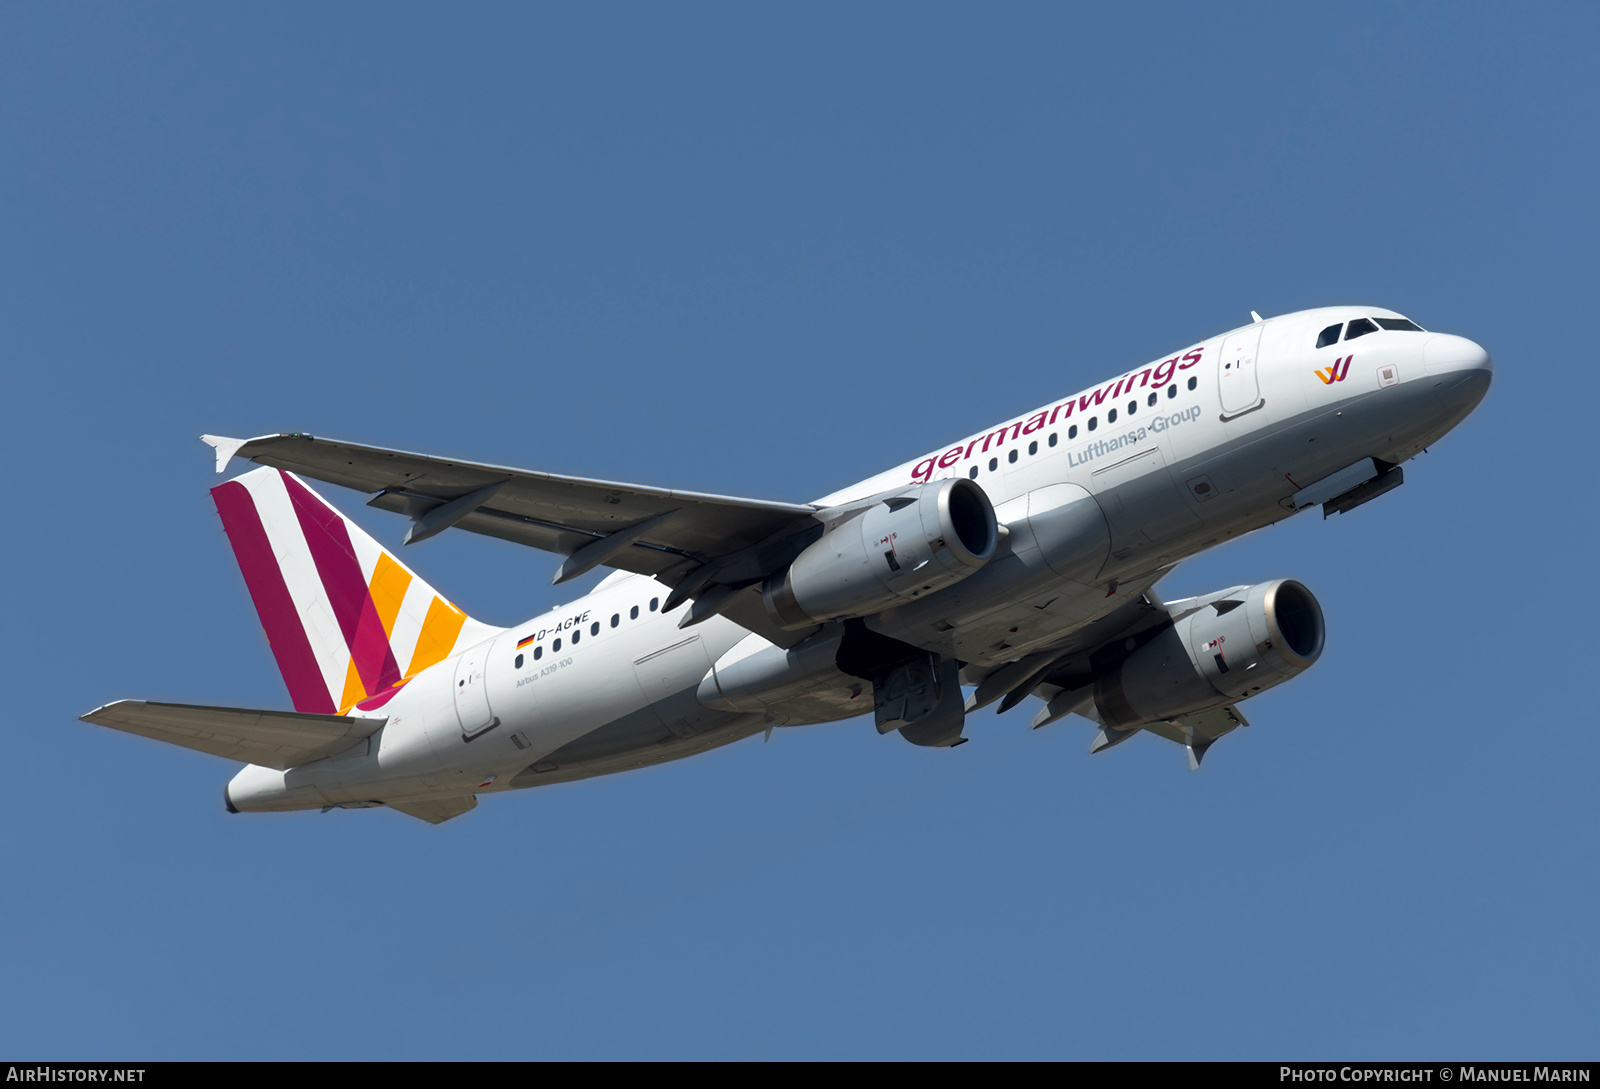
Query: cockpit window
[[1360, 328], [1330, 335], [1400, 325]]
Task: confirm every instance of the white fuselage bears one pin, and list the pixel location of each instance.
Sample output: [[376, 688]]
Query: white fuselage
[[1191, 450]]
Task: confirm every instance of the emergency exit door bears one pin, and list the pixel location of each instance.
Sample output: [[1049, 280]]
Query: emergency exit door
[[472, 691], [1236, 372]]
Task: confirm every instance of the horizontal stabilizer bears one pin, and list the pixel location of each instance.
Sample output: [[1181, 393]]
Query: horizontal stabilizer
[[437, 810], [273, 739]]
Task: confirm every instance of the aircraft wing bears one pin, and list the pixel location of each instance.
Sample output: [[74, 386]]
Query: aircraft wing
[[1063, 674], [715, 545], [273, 739], [1073, 660]]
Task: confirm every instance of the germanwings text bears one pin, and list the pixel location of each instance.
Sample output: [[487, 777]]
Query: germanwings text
[[1154, 376]]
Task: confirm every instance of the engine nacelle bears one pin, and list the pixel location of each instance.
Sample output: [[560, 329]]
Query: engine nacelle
[[906, 545], [1231, 648]]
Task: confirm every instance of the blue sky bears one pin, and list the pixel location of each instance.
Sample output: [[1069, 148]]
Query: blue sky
[[768, 251]]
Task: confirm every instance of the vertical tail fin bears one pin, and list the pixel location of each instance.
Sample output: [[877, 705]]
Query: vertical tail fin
[[348, 622]]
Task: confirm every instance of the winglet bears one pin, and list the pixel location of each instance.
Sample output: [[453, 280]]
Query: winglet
[[225, 447]]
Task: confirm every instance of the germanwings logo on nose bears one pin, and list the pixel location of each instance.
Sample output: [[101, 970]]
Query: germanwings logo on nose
[[1335, 373]]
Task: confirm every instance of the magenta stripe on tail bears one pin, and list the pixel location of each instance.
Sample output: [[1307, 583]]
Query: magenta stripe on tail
[[341, 575], [274, 605]]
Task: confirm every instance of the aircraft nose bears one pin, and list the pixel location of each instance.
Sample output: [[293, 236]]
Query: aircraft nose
[[1445, 354], [1461, 370]]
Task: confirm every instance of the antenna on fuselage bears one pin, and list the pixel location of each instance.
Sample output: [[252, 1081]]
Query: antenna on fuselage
[[1257, 318]]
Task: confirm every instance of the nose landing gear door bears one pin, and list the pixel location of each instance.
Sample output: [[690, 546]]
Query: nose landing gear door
[[1236, 373], [472, 692]]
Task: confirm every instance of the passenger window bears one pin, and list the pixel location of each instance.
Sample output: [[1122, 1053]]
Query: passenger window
[[519, 661], [594, 629], [1133, 406], [1111, 418], [1359, 328], [576, 635], [1033, 448], [1012, 457], [994, 463], [616, 618], [633, 613], [1330, 335], [1151, 400], [1072, 432], [655, 603], [1172, 391], [538, 652], [1193, 381], [555, 646], [973, 472], [1052, 438], [1094, 422]]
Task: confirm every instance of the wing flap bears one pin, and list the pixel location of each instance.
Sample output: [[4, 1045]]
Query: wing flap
[[273, 739]]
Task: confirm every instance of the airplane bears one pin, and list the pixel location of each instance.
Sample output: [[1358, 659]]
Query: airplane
[[1018, 562]]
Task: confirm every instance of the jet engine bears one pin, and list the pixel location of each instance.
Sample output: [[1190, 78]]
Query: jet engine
[[1238, 644], [902, 546]]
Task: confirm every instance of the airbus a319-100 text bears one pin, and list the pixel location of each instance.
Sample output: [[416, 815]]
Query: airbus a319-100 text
[[1020, 561]]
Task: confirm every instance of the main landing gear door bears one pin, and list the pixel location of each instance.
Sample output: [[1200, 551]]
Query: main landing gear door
[[472, 691], [1236, 373], [922, 699]]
